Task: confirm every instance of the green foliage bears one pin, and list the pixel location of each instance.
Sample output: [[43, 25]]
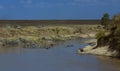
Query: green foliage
[[115, 43], [105, 21], [100, 34], [116, 19], [117, 31]]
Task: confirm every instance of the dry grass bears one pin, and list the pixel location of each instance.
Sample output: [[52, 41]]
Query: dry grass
[[37, 34]]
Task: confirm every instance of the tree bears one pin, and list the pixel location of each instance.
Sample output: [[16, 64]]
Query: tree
[[105, 21]]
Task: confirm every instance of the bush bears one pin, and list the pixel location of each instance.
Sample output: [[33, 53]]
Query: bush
[[111, 38], [105, 21], [116, 19], [100, 34], [115, 43], [117, 31]]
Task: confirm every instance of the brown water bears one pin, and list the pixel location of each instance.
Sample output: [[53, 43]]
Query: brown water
[[59, 58]]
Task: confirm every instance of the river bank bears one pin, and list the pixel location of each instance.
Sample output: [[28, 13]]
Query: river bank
[[34, 36], [92, 48], [108, 38]]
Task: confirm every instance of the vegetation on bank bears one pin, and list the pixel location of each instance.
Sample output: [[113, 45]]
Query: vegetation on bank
[[38, 36], [32, 35], [110, 34]]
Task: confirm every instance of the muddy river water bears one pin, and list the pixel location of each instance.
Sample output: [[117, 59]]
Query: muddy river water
[[58, 58]]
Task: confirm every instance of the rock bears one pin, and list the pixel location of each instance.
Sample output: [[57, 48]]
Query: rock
[[47, 47], [81, 50]]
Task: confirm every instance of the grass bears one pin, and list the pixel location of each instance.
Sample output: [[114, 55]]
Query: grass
[[36, 34]]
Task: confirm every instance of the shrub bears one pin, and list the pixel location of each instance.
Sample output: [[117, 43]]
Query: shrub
[[117, 31], [115, 43], [116, 19], [105, 21], [100, 34]]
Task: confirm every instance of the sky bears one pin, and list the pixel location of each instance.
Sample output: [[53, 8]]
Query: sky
[[57, 9]]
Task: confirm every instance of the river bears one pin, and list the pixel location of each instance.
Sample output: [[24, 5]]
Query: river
[[58, 58]]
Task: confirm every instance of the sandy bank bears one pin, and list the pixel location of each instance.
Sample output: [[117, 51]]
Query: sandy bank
[[103, 51]]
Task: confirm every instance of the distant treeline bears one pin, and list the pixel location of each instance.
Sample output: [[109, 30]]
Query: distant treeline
[[47, 22]]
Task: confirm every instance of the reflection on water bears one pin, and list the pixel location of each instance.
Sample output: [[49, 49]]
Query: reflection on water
[[110, 64], [59, 58], [9, 50]]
